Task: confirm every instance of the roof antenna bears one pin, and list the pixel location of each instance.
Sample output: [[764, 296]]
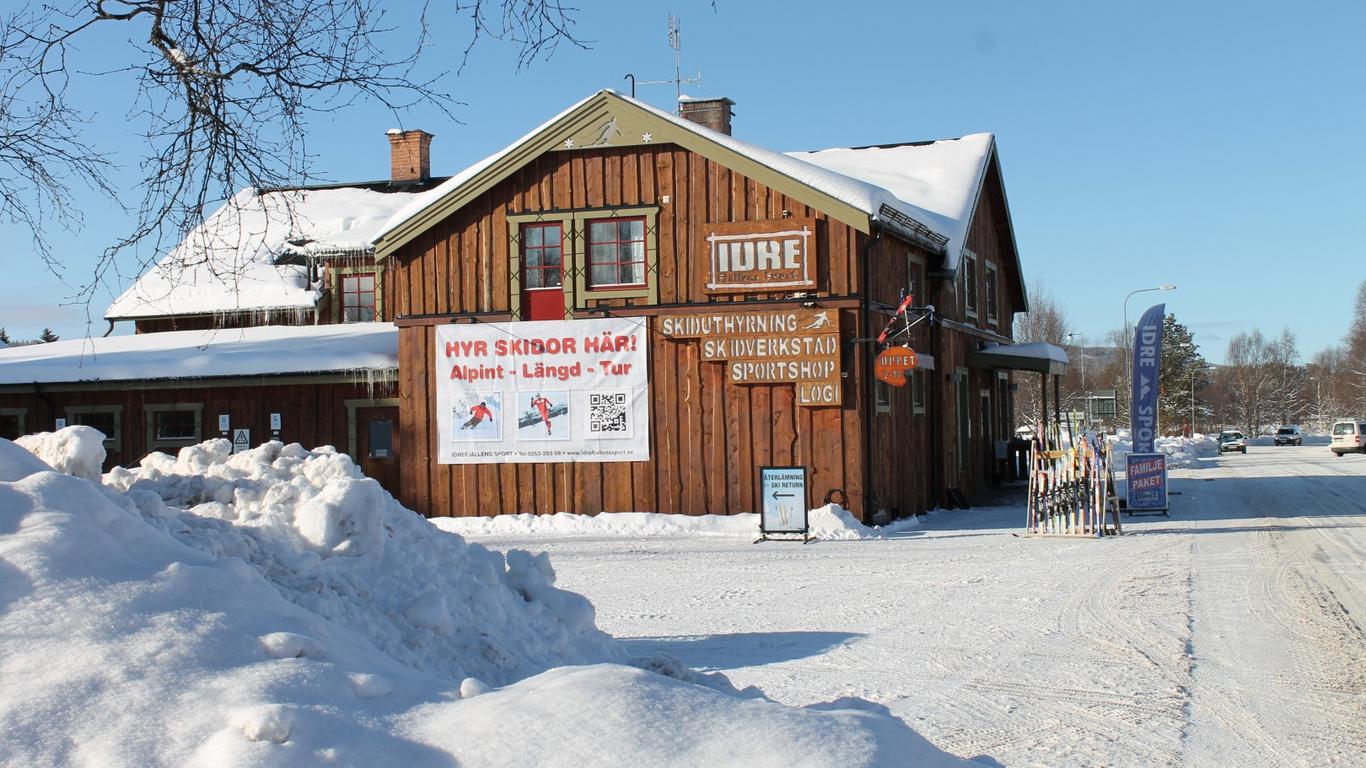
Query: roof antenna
[[632, 78], [678, 79]]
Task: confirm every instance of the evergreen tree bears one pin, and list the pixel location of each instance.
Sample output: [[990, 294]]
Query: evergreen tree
[[47, 336], [1184, 370], [4, 337]]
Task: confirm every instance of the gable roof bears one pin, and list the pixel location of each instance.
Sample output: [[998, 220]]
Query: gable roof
[[263, 350], [822, 181], [232, 261], [938, 181]]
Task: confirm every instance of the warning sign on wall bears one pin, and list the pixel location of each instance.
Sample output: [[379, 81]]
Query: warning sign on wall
[[241, 440]]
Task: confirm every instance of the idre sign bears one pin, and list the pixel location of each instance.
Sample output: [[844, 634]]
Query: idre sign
[[774, 255]]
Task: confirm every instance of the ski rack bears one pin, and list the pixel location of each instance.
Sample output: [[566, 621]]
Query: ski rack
[[1071, 492]]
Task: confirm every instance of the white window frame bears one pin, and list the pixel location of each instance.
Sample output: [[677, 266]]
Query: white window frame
[[992, 277], [882, 392], [112, 443], [969, 283], [150, 412], [918, 382]]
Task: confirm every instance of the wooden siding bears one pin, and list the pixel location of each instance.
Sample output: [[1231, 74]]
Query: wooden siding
[[312, 414], [708, 436]]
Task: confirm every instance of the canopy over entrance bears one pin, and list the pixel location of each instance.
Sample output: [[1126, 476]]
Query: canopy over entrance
[[1036, 356]]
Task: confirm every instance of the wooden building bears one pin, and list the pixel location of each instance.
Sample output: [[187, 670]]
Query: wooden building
[[760, 283], [313, 385], [929, 218]]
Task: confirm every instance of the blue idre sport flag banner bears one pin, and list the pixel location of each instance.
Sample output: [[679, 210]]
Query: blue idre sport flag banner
[[1146, 367]]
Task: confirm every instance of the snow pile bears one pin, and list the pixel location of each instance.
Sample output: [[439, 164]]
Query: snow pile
[[77, 451], [274, 607], [830, 522], [833, 522], [1181, 451], [614, 524], [334, 542]]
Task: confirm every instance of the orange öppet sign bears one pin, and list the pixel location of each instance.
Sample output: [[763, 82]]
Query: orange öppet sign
[[893, 364]]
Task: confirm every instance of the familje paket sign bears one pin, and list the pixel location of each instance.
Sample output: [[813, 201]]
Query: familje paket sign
[[1146, 475], [778, 254], [547, 391]]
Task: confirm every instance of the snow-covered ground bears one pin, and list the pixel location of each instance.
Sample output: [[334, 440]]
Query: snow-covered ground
[[1230, 634], [277, 608]]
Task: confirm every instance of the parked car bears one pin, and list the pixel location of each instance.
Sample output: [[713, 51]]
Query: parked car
[[1349, 436], [1289, 435], [1232, 440]]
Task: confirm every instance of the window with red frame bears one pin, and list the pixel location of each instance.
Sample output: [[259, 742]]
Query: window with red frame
[[542, 255], [358, 297], [616, 252]]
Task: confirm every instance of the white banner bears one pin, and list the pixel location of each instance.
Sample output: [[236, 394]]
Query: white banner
[[559, 390]]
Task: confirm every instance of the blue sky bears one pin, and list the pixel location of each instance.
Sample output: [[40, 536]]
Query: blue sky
[[1217, 146]]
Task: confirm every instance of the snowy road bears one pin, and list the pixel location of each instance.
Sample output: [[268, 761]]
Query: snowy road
[[1230, 634]]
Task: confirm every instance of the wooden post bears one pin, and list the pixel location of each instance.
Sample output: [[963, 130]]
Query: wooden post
[[1057, 408]]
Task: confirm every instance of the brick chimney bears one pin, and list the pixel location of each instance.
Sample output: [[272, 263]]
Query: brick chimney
[[713, 113], [410, 157]]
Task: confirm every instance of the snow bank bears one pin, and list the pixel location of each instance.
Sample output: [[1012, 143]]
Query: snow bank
[[1181, 451], [615, 524], [275, 607], [830, 522], [333, 542]]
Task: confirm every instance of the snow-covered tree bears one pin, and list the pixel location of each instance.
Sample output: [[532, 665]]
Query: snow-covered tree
[[4, 337]]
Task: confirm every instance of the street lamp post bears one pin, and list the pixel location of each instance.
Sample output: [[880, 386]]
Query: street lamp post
[[1085, 394], [1128, 363]]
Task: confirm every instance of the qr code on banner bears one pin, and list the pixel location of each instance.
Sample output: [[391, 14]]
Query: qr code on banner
[[607, 413]]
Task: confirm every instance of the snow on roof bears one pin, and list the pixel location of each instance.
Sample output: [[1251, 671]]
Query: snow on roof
[[196, 354], [423, 200], [937, 181], [1035, 350], [824, 173], [227, 263]]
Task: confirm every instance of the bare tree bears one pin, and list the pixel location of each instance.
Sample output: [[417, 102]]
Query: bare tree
[[225, 90], [1354, 374], [1254, 372], [1046, 322], [1327, 379]]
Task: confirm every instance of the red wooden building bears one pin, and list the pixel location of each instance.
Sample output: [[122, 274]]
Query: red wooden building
[[762, 280]]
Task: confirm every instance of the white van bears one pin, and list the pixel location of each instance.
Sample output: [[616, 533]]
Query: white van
[[1349, 436], [1289, 435]]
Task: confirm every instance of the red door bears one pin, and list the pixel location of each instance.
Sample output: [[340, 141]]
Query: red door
[[543, 271]]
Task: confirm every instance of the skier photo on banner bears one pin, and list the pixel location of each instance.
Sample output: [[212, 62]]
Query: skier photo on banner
[[543, 406], [478, 412], [478, 416], [542, 416]]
